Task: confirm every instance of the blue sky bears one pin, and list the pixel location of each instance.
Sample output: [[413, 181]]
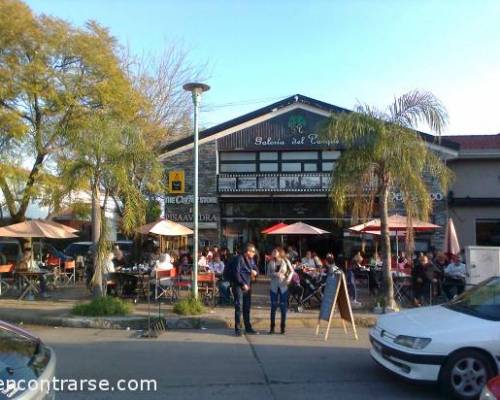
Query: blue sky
[[341, 52]]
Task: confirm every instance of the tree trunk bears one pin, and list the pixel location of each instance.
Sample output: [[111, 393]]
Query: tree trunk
[[386, 248], [97, 278]]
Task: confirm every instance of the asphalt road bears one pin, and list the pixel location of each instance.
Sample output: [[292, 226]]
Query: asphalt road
[[216, 365]]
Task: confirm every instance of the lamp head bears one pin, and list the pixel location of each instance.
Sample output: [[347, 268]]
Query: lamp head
[[196, 87]]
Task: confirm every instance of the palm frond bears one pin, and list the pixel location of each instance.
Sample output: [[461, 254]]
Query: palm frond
[[416, 107]]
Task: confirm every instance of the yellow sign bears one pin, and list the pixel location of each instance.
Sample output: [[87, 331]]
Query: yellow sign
[[176, 182]]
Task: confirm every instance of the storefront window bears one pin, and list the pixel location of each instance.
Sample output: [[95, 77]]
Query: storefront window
[[237, 167], [237, 156], [291, 167], [268, 167], [328, 166], [310, 167], [330, 155], [268, 155], [299, 155], [488, 232]]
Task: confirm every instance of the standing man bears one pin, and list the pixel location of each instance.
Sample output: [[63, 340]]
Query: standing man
[[245, 270]]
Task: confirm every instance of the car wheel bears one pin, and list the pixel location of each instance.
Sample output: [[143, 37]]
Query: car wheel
[[464, 374]]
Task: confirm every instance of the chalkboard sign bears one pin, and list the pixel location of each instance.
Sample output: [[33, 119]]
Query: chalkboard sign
[[329, 294], [335, 296]]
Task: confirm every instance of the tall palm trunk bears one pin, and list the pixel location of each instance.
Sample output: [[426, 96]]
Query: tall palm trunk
[[386, 247], [97, 278]]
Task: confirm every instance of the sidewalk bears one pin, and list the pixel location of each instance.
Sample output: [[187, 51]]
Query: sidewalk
[[56, 311]]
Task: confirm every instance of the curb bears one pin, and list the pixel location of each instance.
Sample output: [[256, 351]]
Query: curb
[[172, 322]]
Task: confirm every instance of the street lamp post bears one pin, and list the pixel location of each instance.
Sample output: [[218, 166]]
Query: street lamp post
[[196, 90]]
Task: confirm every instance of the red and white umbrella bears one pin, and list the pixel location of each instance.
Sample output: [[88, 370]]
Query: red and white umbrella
[[451, 245], [298, 228], [273, 228]]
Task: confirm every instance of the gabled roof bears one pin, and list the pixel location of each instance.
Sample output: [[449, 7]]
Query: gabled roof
[[308, 102]]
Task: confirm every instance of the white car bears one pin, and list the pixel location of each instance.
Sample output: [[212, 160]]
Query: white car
[[456, 344]]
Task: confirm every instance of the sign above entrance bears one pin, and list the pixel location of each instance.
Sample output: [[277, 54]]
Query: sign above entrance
[[298, 129], [189, 199]]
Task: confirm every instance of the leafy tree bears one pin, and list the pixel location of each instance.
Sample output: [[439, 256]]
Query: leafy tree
[[101, 162], [53, 77], [383, 154]]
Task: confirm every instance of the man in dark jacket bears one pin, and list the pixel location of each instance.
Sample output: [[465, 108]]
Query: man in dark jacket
[[245, 270]]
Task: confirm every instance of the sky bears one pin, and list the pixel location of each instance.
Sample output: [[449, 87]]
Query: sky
[[340, 52]]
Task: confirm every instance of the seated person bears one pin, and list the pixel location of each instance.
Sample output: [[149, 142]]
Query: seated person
[[308, 260], [28, 264], [203, 262], [119, 257], [216, 265], [454, 278]]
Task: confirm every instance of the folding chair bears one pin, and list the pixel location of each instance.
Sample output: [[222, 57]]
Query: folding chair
[[69, 273], [207, 287], [165, 284], [5, 270]]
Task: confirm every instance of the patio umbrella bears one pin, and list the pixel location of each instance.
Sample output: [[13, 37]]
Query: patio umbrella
[[397, 223], [164, 227], [273, 228], [299, 228], [36, 229], [61, 226], [451, 245]]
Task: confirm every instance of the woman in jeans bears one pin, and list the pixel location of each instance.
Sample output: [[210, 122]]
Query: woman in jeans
[[281, 277]]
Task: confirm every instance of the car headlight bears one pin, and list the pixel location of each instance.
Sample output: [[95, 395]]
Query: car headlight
[[412, 342]]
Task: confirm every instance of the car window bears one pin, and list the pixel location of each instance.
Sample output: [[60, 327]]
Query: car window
[[16, 350], [482, 301]]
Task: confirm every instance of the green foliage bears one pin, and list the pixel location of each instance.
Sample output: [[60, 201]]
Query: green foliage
[[53, 78], [103, 307], [189, 306], [384, 155], [153, 210]]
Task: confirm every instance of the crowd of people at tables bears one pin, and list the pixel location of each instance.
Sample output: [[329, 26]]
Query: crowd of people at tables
[[431, 274]]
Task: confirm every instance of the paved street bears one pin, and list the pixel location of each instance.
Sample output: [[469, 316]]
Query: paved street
[[216, 365]]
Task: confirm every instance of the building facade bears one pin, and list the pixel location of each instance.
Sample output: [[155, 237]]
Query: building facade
[[272, 165], [474, 198]]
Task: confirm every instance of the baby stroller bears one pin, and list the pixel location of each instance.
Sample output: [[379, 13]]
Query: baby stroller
[[307, 290]]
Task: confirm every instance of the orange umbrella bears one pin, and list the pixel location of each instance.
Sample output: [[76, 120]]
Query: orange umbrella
[[36, 229]]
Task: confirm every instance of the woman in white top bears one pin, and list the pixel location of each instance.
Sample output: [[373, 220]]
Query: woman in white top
[[281, 277]]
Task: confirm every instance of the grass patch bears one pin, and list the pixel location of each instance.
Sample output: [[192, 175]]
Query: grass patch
[[189, 306], [103, 307]]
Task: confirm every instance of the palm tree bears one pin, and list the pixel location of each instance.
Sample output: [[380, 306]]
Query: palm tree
[[384, 154]]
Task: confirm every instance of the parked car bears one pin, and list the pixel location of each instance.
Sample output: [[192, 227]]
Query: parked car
[[76, 249], [492, 390], [23, 357], [11, 249], [456, 344]]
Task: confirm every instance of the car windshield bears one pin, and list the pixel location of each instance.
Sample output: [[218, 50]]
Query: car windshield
[[482, 301]]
